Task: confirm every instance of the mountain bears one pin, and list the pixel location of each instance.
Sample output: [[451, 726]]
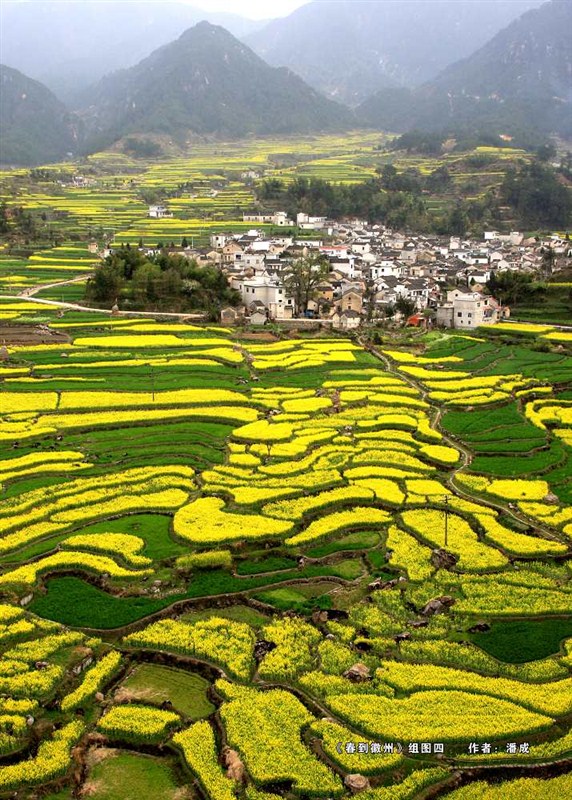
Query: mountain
[[71, 45], [519, 81], [348, 49], [209, 83], [35, 126], [532, 57]]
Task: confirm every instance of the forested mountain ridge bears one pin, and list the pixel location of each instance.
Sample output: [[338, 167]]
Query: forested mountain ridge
[[34, 125], [207, 82], [348, 50], [520, 80], [70, 46]]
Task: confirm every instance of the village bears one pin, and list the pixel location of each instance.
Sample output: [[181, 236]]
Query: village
[[372, 273]]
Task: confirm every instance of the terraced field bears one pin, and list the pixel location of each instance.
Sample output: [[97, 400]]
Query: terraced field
[[208, 187], [207, 191], [327, 559]]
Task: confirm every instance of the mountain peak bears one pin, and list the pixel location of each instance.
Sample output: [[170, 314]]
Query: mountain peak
[[349, 49], [34, 125], [208, 82], [518, 83], [206, 28]]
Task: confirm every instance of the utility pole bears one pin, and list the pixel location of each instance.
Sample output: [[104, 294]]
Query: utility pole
[[446, 520]]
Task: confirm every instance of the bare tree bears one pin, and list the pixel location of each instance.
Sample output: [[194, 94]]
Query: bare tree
[[302, 279]]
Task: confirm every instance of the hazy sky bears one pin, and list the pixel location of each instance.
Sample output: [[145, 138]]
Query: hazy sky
[[255, 9]]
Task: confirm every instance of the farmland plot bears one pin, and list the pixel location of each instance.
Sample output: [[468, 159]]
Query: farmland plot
[[170, 492]]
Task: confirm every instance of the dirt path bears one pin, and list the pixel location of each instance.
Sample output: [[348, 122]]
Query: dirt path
[[28, 293], [76, 307]]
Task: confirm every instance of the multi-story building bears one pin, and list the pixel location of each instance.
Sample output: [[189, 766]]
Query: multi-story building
[[467, 310]]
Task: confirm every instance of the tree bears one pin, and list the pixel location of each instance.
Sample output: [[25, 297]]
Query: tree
[[439, 180], [429, 314], [389, 311], [510, 288], [405, 306], [105, 285], [537, 196], [546, 152], [161, 282], [369, 300], [145, 283], [458, 222], [548, 260], [4, 222], [302, 279]]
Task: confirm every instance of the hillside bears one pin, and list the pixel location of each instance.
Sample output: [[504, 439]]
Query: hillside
[[348, 50], [34, 125], [209, 83], [519, 80], [69, 46]]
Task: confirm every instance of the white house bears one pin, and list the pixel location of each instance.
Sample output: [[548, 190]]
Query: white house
[[361, 246], [384, 269], [307, 223], [268, 291], [218, 240], [467, 310], [346, 320], [346, 265], [253, 260], [277, 218], [159, 212]]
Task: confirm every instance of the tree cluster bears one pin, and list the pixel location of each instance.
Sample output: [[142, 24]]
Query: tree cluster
[[392, 198], [512, 288], [459, 139], [538, 198], [142, 148], [369, 200], [160, 282]]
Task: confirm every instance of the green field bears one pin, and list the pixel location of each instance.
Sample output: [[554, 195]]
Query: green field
[[129, 776], [181, 569], [186, 692]]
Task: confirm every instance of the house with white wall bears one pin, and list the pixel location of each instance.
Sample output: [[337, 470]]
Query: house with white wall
[[268, 291], [467, 310]]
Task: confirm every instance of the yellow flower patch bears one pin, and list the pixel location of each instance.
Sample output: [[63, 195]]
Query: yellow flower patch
[[264, 431], [73, 560], [94, 400], [412, 358], [141, 342], [517, 543], [408, 554], [295, 509], [307, 405], [222, 641], [137, 723], [340, 521], [429, 525], [440, 453], [92, 682], [385, 490], [518, 489], [199, 750], [127, 546], [437, 716], [205, 522]]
